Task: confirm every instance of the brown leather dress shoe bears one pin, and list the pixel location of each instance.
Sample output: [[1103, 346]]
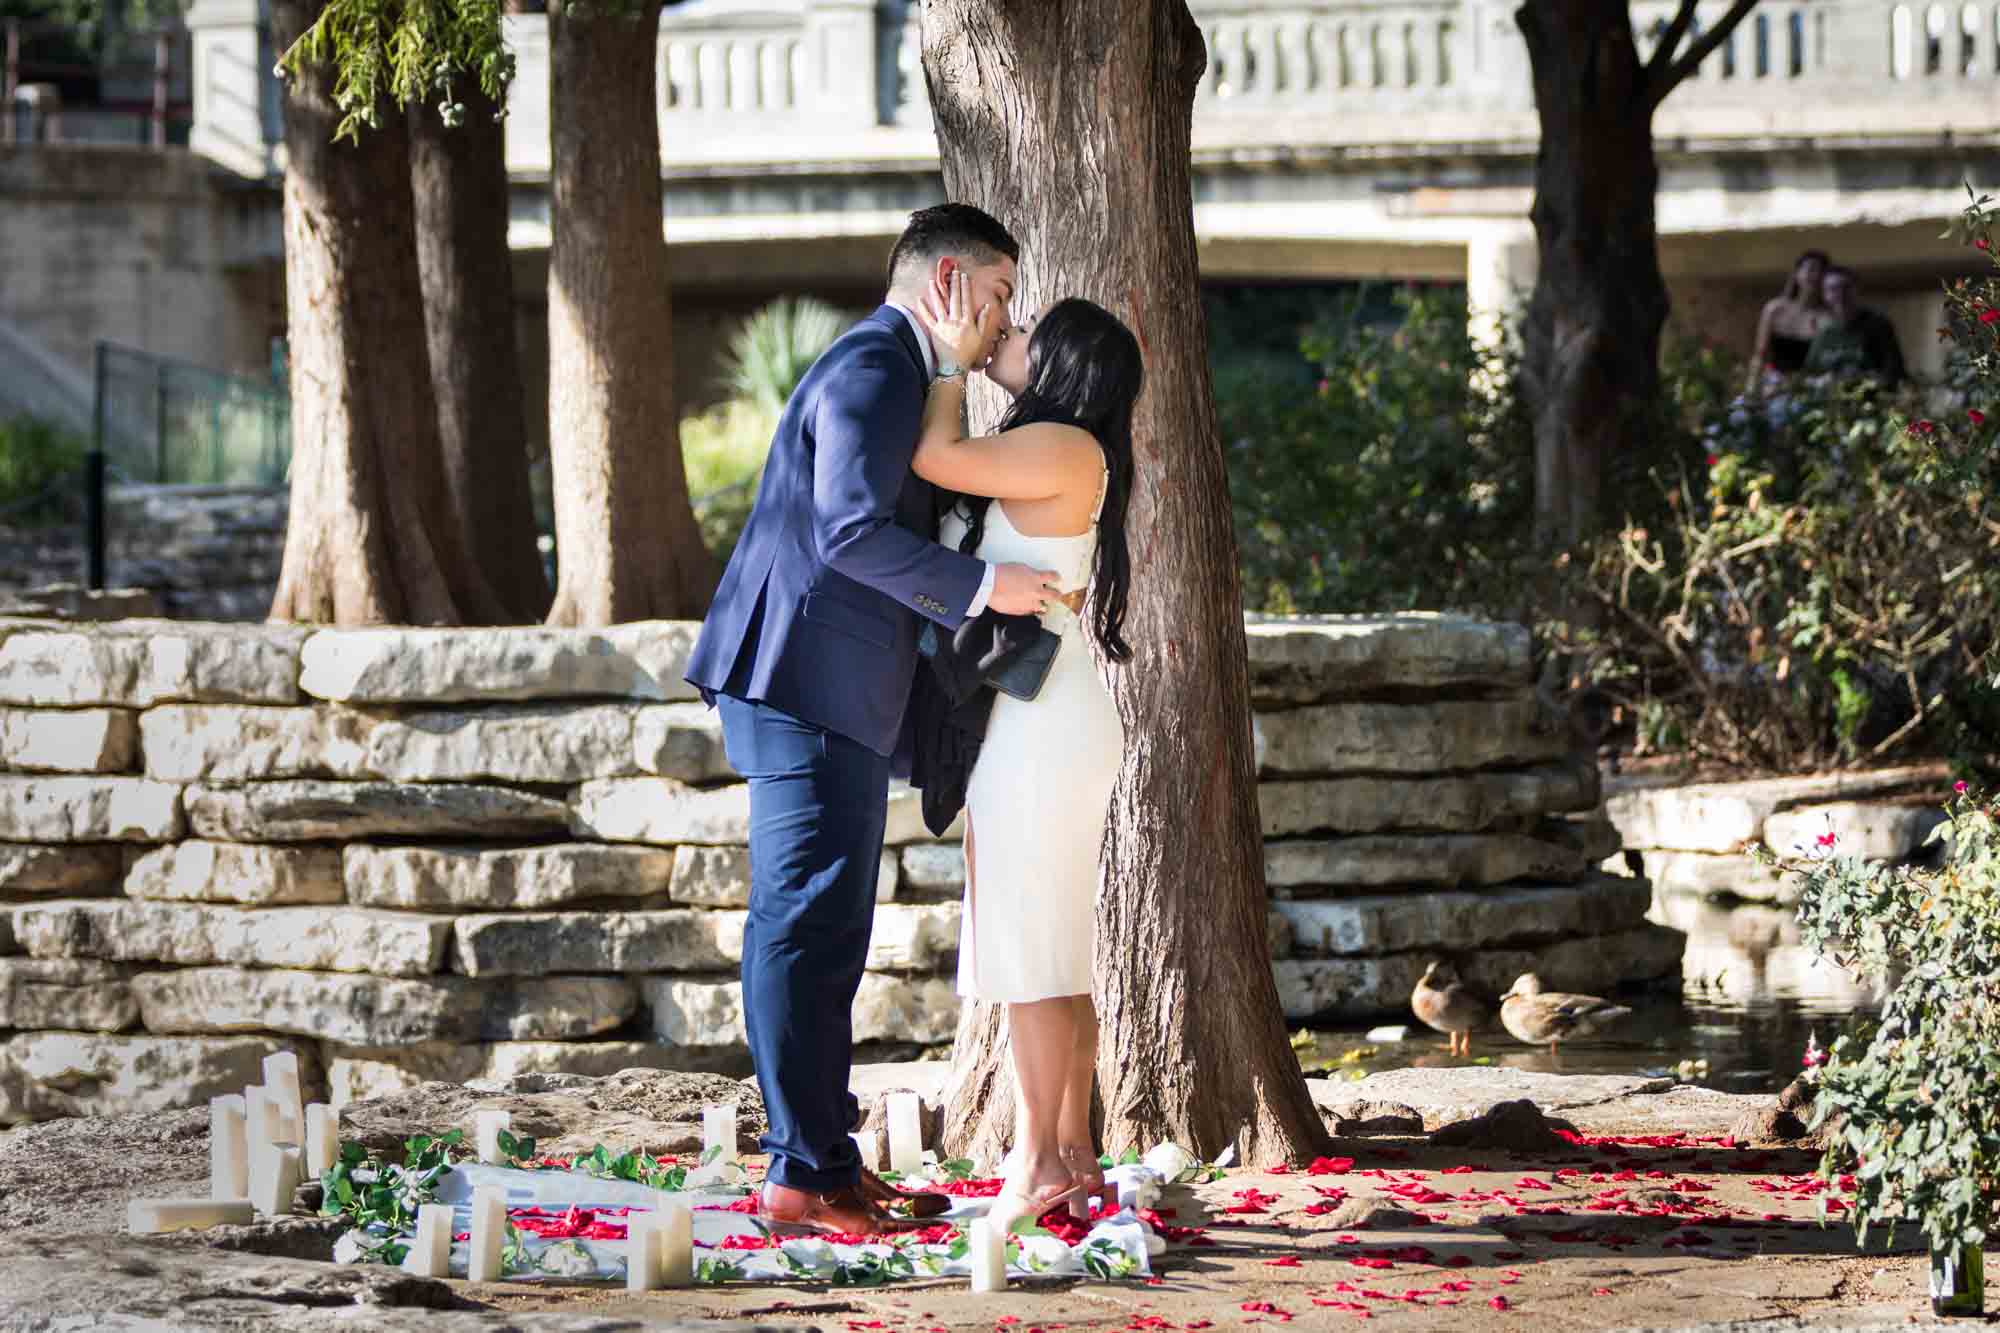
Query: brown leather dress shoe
[[846, 1211], [883, 1194]]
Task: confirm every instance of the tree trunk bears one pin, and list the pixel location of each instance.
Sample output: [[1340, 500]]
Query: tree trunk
[[1592, 335], [1193, 1037], [372, 538], [458, 175], [627, 546]]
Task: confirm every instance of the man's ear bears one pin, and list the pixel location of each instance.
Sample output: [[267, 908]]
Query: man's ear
[[946, 266]]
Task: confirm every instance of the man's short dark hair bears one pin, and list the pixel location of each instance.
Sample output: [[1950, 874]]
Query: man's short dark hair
[[951, 229], [1841, 271]]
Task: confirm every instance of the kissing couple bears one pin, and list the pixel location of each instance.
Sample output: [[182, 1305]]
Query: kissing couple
[[876, 514]]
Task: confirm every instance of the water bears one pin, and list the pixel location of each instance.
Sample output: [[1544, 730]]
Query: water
[[1751, 994]]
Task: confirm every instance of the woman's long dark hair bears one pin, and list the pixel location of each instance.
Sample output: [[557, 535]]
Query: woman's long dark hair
[[1084, 370]]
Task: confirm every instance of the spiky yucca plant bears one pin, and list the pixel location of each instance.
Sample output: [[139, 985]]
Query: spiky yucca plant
[[772, 350]]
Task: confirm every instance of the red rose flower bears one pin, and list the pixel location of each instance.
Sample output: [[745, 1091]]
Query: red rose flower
[[1982, 244], [1989, 315], [1976, 417], [1713, 460]]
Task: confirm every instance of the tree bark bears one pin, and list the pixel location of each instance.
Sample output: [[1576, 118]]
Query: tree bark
[[1193, 1045], [458, 176], [372, 538], [627, 545], [1591, 341]]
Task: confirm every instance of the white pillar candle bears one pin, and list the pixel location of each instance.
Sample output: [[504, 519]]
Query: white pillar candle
[[260, 1118], [987, 1253], [430, 1253], [486, 1133], [147, 1217], [274, 1175], [906, 1133], [676, 1242], [489, 1233], [322, 1141], [718, 1130], [228, 1149], [869, 1144], [643, 1251], [281, 1084]]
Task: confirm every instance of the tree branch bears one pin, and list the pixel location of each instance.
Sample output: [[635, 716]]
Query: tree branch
[[1698, 50], [1670, 40]]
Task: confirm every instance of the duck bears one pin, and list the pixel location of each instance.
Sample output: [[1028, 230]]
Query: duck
[[1534, 1015], [1442, 1001]]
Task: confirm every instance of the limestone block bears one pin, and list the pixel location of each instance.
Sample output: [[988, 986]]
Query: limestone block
[[1393, 923], [75, 869], [1722, 816], [235, 872], [477, 877], [697, 1012], [65, 993], [905, 823], [935, 867], [89, 809], [661, 811], [1300, 659], [355, 1073], [682, 741], [46, 1075], [888, 876], [138, 663], [1378, 860], [309, 810], [1427, 738], [913, 937], [539, 943], [244, 742], [643, 660], [331, 939], [380, 1011], [532, 742], [712, 876], [1340, 988], [67, 740], [1457, 803], [1874, 830], [1703, 873]]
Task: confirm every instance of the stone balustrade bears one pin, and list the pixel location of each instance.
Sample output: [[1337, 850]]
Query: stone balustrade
[[813, 81], [415, 853]]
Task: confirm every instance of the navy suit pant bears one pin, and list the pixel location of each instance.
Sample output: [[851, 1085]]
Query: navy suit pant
[[817, 810]]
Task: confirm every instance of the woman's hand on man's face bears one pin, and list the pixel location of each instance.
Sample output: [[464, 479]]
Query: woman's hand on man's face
[[946, 312]]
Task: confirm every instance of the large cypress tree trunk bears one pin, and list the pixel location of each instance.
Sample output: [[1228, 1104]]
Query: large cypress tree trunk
[[458, 175], [627, 546], [372, 537], [1193, 1042]]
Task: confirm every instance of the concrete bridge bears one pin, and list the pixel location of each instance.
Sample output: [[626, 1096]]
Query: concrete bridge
[[1332, 140]]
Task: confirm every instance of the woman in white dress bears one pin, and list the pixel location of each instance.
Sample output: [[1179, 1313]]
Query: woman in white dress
[[1059, 474]]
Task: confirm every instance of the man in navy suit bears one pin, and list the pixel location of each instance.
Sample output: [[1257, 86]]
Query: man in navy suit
[[809, 650]]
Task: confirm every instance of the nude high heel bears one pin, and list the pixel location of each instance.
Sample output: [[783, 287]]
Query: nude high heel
[[1087, 1175], [1011, 1205]]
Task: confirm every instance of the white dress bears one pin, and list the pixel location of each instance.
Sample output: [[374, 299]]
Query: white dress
[[1038, 797]]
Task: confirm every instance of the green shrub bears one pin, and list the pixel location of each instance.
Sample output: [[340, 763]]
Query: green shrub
[[41, 473], [723, 450], [772, 350]]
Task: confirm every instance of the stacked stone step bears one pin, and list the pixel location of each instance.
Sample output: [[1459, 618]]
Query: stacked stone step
[[1420, 801]]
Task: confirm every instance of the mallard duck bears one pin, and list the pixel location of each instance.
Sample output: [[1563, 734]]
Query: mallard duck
[[1536, 1016], [1442, 1001]]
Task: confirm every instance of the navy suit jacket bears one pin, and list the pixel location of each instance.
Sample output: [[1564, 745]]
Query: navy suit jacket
[[818, 611]]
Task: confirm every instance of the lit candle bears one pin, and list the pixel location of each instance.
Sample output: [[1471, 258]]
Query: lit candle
[[869, 1144], [487, 1126], [281, 1084], [987, 1252], [718, 1131], [148, 1217], [430, 1253], [906, 1133], [642, 1251], [489, 1233], [274, 1175], [228, 1150], [322, 1143], [676, 1245]]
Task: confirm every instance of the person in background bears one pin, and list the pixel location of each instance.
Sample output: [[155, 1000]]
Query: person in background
[[1857, 343], [1788, 324]]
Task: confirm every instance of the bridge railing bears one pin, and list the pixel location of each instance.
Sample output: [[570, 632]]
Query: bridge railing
[[758, 82]]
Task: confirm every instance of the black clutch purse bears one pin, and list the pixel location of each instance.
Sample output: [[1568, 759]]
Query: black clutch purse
[[1021, 676]]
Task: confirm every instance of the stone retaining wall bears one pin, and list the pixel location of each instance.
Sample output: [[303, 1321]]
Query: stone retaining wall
[[457, 854]]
